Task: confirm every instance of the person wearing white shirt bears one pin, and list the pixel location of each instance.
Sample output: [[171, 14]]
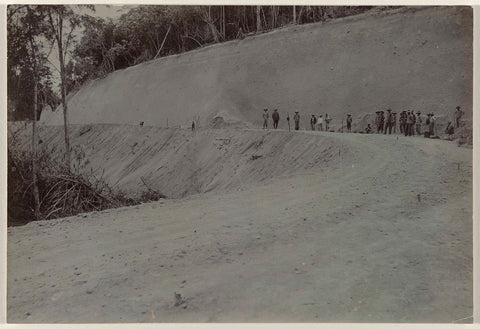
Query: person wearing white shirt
[[320, 123]]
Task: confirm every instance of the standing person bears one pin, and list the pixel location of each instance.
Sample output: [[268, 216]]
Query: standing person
[[265, 118], [313, 121], [401, 122], [382, 121], [458, 116], [296, 118], [349, 123], [432, 126], [327, 122], [288, 121], [320, 122], [377, 121], [408, 123], [394, 122], [388, 122], [418, 124], [427, 125], [193, 125], [275, 118], [414, 120]]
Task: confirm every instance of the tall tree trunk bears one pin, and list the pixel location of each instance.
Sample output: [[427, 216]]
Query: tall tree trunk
[[294, 15], [274, 16], [208, 19], [58, 36], [34, 151], [163, 42], [300, 15], [64, 103], [36, 197], [259, 22], [223, 26]]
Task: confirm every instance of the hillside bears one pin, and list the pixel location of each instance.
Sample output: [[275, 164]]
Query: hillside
[[408, 58]]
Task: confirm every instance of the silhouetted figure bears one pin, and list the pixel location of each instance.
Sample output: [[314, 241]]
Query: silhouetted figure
[[418, 123], [313, 122], [458, 116], [349, 123], [327, 122], [388, 122], [275, 118], [296, 119]]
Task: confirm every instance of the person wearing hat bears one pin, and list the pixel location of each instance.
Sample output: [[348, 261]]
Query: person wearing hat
[[265, 118], [458, 116], [409, 124], [313, 122], [320, 122], [327, 122], [394, 122], [275, 118], [388, 122], [296, 119], [418, 123], [349, 123], [382, 121]]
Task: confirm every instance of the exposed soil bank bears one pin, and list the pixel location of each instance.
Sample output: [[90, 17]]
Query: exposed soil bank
[[179, 162]]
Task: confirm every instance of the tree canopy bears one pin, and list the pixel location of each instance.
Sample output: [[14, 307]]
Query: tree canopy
[[98, 46]]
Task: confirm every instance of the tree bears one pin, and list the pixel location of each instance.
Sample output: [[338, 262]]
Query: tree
[[259, 22], [20, 86], [60, 26], [25, 26]]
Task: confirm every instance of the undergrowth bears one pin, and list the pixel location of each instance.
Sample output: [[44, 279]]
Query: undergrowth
[[62, 192]]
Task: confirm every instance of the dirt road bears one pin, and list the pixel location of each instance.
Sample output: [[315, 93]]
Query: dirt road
[[385, 236]]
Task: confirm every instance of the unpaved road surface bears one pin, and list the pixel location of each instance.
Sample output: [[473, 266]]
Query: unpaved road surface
[[350, 243]]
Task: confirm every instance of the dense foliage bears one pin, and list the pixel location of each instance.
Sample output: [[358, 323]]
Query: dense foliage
[[97, 46]]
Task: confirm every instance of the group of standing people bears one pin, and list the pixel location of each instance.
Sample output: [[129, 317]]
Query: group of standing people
[[275, 118], [315, 123], [410, 123]]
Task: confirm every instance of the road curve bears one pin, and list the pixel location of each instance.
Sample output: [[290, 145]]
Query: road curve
[[384, 236]]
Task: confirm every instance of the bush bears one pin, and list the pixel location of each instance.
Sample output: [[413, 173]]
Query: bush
[[62, 192]]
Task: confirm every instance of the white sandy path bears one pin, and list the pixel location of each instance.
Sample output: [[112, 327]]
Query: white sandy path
[[352, 245]]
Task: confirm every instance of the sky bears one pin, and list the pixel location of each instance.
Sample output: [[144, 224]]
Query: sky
[[102, 11], [111, 11]]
